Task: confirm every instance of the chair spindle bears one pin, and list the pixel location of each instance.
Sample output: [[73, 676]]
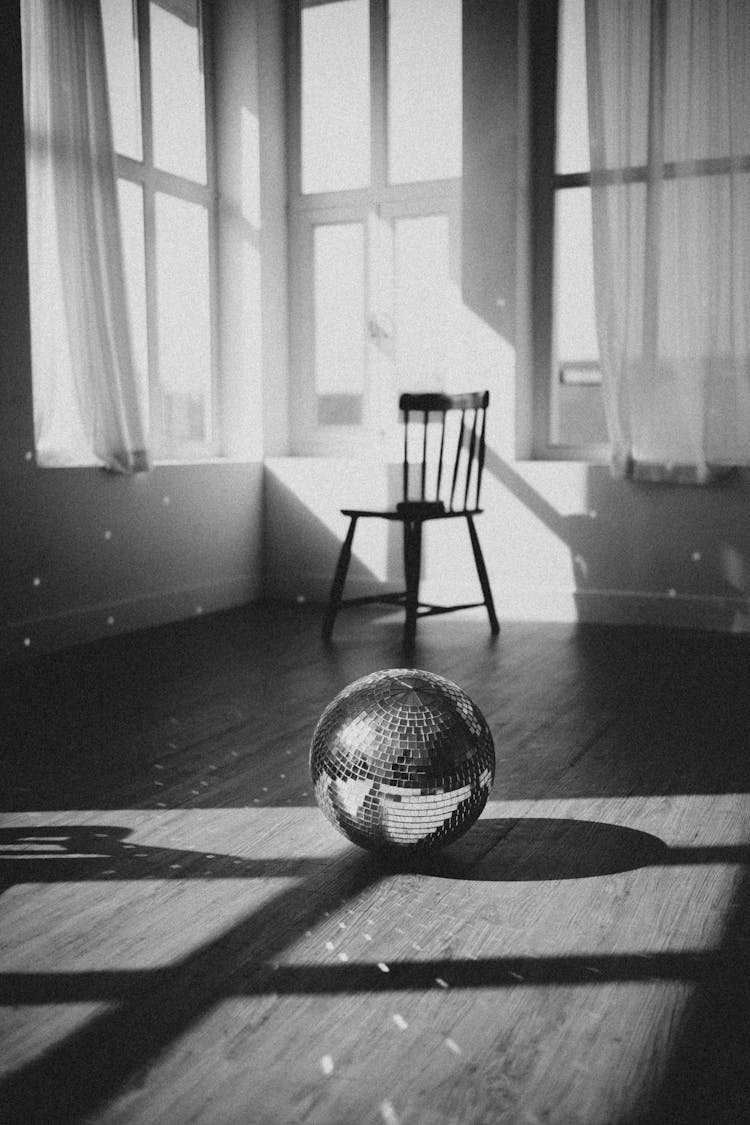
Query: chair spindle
[[480, 458], [440, 457], [406, 455], [470, 462], [457, 461]]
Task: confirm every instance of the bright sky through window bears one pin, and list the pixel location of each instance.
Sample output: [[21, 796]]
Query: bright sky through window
[[575, 323], [339, 308], [121, 47], [576, 414], [572, 96], [336, 96], [422, 296], [182, 296], [178, 91], [130, 199], [424, 90]]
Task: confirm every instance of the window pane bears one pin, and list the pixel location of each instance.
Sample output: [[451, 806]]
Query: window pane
[[178, 94], [130, 198], [424, 90], [572, 105], [336, 96], [577, 405], [183, 322], [123, 75], [422, 302], [339, 296]]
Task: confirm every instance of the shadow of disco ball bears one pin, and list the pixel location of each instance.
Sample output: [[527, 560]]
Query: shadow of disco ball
[[402, 761]]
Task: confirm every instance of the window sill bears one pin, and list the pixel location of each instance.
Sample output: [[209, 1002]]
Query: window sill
[[166, 463], [172, 463], [592, 455]]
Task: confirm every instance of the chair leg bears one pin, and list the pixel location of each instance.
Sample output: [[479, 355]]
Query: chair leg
[[484, 581], [412, 566], [339, 578]]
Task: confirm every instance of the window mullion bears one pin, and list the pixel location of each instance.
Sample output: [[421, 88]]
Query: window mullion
[[375, 229], [210, 203], [149, 220], [378, 94], [294, 102], [543, 30], [654, 182], [170, 184]]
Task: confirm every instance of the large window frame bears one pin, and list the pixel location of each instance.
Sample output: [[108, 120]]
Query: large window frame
[[546, 183], [154, 181], [379, 205]]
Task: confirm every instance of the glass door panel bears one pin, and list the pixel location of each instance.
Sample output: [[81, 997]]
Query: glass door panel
[[378, 316], [339, 319], [421, 286], [414, 310]]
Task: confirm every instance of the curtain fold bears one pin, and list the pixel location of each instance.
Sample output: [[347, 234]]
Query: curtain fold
[[89, 401], [669, 116]]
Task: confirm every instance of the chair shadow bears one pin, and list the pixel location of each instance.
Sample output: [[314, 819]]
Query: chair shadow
[[103, 852], [521, 849]]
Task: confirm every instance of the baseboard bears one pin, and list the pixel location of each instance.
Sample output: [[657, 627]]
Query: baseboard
[[602, 607], [670, 609], [93, 622]]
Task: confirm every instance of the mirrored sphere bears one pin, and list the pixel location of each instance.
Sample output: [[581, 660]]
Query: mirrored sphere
[[402, 760]]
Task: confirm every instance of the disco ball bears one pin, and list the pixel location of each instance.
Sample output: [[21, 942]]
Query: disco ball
[[402, 761]]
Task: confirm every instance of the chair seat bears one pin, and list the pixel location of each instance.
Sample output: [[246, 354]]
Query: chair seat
[[412, 509]]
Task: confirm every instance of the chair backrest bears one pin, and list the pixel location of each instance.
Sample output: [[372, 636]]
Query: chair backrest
[[444, 445]]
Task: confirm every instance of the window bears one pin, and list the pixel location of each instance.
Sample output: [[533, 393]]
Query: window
[[672, 154], [568, 404], [160, 109], [376, 113]]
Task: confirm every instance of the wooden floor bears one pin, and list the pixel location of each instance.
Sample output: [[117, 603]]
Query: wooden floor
[[184, 937]]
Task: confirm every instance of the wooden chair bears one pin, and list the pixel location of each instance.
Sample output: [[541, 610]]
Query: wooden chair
[[450, 444]]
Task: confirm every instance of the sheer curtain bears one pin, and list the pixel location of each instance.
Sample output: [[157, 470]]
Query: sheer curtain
[[87, 408], [669, 113]]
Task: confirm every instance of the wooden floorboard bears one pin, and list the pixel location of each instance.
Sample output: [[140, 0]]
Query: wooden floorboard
[[185, 938]]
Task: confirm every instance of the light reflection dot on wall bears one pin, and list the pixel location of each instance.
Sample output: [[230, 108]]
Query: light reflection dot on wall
[[671, 592], [593, 514], [696, 556], [199, 609], [580, 562], [108, 534], [110, 620], [26, 642], [36, 581], [28, 455], [166, 501]]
